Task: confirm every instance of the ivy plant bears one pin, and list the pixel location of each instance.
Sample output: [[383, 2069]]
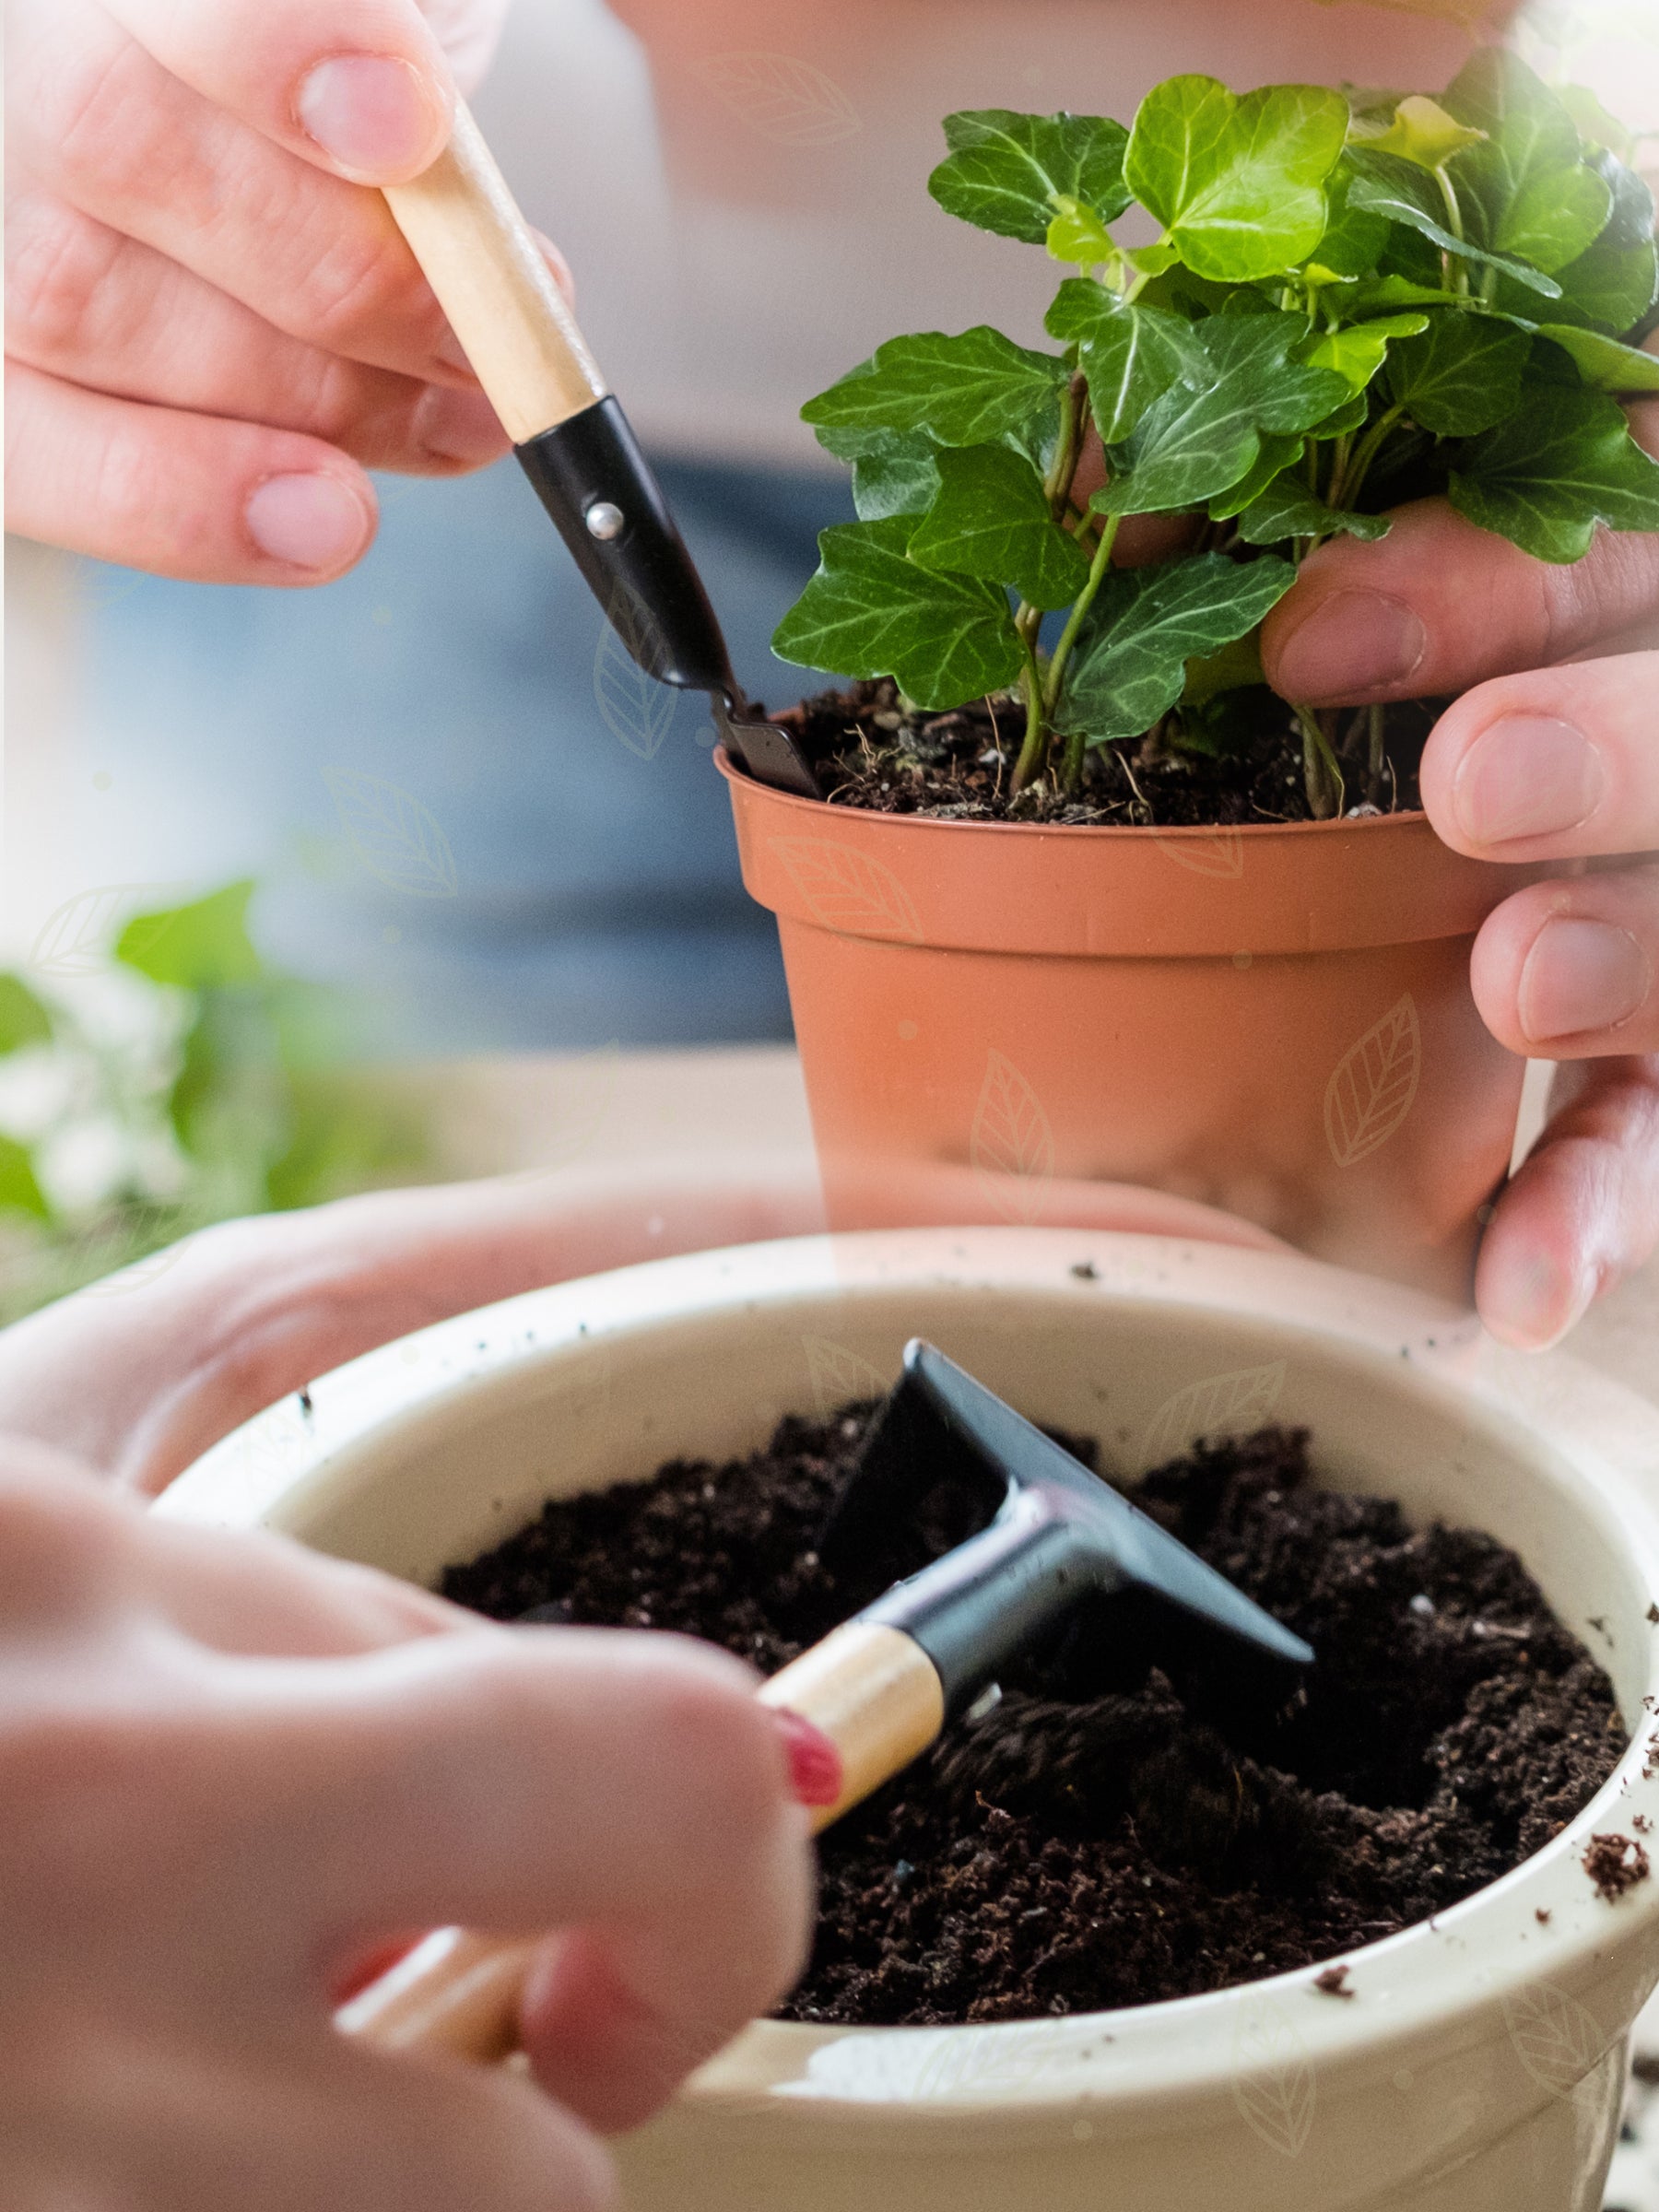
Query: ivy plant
[[1349, 303]]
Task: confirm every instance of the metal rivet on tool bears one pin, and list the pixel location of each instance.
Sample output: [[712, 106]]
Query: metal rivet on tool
[[605, 520]]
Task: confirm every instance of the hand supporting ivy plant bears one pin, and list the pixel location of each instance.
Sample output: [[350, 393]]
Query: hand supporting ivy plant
[[1347, 307]]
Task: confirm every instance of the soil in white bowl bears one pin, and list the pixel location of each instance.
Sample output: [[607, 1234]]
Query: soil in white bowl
[[1142, 1815]]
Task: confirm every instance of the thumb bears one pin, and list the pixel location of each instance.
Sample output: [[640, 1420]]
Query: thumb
[[1439, 604], [362, 87]]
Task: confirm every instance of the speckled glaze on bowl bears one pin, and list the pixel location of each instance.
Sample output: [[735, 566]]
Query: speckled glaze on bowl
[[1479, 2063]]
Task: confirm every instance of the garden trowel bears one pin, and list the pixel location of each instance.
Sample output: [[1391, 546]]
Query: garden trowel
[[885, 1684], [573, 441]]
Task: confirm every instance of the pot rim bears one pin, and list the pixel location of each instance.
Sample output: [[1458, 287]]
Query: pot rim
[[1406, 817], [1587, 1434]]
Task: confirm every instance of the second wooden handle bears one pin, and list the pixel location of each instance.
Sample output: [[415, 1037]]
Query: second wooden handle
[[493, 282], [871, 1690]]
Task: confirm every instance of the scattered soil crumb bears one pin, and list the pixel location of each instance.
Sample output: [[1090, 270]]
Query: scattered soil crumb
[[1616, 1864], [1138, 1818], [1333, 1983]]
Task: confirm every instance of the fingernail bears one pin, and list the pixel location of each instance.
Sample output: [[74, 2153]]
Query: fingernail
[[311, 521], [1580, 977], [458, 426], [1535, 1302], [814, 1764], [373, 114], [1526, 776], [1352, 642]]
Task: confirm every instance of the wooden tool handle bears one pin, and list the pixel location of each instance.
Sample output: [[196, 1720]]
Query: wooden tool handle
[[494, 284], [871, 1690]]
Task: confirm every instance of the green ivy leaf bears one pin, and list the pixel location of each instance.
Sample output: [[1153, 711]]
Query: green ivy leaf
[[894, 472], [1192, 442], [1603, 362], [1286, 509], [870, 611], [1595, 126], [1354, 239], [1343, 421], [1421, 132], [1387, 185], [1462, 376], [1611, 287], [1238, 185], [1008, 173], [1078, 235], [1357, 350], [23, 1019], [1128, 354], [19, 1193], [966, 390], [1230, 669], [991, 519], [1385, 294], [1564, 461], [1527, 191], [1276, 455], [201, 946], [1129, 664]]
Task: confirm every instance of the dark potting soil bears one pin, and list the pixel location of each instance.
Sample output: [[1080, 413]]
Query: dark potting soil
[[1137, 1819], [871, 751]]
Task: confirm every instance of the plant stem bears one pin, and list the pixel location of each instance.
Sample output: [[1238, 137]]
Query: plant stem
[[1377, 753], [1454, 223], [1345, 489], [1080, 606], [1033, 751], [1321, 774], [1068, 450]]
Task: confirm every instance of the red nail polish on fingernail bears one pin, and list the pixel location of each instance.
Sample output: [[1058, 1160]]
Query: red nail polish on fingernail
[[814, 1764]]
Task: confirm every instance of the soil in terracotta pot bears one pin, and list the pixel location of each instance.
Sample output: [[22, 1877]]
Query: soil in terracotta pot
[[1134, 1820], [871, 751]]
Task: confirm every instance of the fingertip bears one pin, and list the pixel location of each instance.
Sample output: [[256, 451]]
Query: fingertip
[[376, 118], [310, 525], [1528, 1295]]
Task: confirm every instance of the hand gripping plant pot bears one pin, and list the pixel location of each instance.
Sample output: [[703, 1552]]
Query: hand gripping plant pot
[[1091, 900], [1276, 1021], [1477, 2064]]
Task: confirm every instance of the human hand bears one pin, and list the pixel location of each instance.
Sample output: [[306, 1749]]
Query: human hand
[[231, 1768], [1548, 755], [212, 329], [139, 1376]]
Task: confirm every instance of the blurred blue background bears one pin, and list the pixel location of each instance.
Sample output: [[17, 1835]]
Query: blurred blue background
[[459, 802]]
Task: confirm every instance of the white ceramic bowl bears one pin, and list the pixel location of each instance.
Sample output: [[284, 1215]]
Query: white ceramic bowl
[[1479, 2063]]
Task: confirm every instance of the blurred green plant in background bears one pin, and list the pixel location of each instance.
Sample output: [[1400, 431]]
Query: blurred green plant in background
[[175, 1081]]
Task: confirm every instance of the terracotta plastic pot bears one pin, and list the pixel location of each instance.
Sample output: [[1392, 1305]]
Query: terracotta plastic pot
[[1274, 1020], [1479, 2063]]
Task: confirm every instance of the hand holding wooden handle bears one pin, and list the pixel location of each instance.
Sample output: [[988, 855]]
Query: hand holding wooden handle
[[493, 282], [869, 1689]]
